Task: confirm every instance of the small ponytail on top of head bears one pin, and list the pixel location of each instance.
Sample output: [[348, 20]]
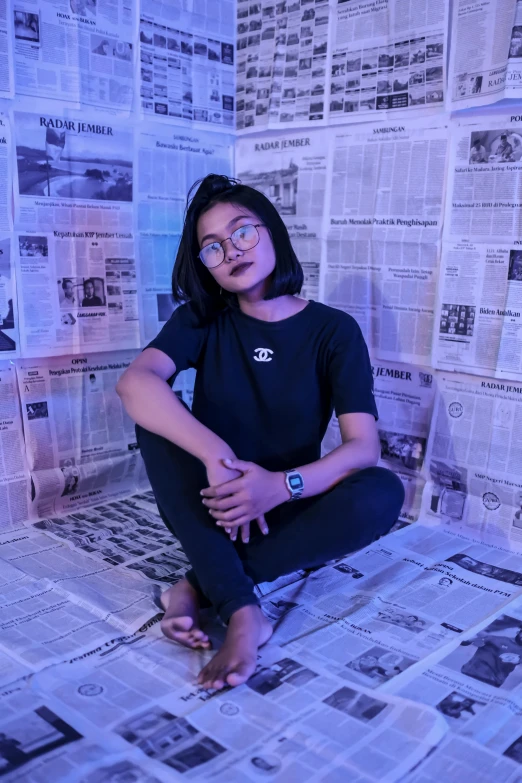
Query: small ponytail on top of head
[[204, 191]]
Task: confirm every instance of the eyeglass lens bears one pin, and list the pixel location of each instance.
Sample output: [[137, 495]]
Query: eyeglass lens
[[243, 238]]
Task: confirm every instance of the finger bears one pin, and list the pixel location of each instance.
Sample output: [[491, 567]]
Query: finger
[[231, 532], [228, 488], [245, 532], [236, 523], [223, 504], [238, 464], [231, 516], [261, 522]]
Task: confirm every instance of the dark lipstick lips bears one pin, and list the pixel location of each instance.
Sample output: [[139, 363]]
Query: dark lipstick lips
[[240, 266]]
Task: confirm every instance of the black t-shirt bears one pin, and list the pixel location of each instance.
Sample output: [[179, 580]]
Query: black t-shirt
[[268, 389]]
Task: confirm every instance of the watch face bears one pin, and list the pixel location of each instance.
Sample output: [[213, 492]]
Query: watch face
[[296, 482]]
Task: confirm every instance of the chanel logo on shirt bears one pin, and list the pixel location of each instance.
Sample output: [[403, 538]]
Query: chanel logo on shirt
[[263, 355]]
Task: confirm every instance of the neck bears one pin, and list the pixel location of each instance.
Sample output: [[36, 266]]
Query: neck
[[272, 309]]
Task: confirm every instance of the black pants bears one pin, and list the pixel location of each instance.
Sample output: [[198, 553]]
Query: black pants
[[303, 534]]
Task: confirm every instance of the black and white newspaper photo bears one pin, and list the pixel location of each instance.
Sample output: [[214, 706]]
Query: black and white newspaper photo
[[161, 200], [187, 77], [283, 57], [73, 171], [389, 59], [81, 444], [486, 53], [384, 231], [79, 51], [290, 169]]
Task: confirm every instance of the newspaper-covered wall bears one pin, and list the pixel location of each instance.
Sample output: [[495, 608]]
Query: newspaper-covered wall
[[479, 316], [291, 170], [386, 198], [404, 396], [473, 459], [388, 58], [81, 445], [283, 60], [76, 50], [186, 71], [161, 199], [486, 53]]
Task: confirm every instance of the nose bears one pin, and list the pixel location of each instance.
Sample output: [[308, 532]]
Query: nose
[[231, 252]]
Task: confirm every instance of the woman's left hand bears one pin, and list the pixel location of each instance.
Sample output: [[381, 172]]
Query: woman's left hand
[[247, 497]]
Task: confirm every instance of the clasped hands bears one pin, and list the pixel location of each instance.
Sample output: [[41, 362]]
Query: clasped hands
[[244, 499]]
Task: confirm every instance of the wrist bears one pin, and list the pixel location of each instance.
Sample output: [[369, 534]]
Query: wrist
[[283, 494], [217, 454]]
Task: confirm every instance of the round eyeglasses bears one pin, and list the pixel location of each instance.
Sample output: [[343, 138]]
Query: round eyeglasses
[[243, 238]]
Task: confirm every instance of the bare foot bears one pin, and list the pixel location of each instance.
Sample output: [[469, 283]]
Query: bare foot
[[235, 661], [181, 619]]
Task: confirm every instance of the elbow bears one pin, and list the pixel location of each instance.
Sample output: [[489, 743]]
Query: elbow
[[373, 452], [122, 384]]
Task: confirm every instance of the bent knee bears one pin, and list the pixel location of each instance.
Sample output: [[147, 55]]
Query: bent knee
[[380, 485]]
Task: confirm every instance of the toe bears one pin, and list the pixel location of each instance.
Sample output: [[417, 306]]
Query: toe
[[240, 674]]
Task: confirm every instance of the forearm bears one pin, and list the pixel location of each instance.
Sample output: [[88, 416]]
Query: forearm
[[328, 471], [152, 404]]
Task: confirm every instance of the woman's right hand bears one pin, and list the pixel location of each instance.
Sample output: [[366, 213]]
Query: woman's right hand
[[217, 473]]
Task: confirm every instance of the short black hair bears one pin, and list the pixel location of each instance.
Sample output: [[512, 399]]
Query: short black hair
[[89, 280], [192, 281], [65, 281]]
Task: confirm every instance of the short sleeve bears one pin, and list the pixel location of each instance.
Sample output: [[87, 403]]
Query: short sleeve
[[182, 338], [350, 370]]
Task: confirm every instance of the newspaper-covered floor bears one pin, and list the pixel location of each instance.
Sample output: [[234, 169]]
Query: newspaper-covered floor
[[399, 662]]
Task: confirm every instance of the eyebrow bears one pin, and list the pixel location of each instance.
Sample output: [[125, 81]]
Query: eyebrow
[[229, 226]]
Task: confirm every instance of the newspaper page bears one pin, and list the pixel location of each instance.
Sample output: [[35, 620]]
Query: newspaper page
[[117, 596], [187, 76], [81, 444], [378, 612], [6, 169], [40, 743], [9, 319], [389, 57], [161, 201], [73, 171], [458, 758], [486, 52], [14, 473], [478, 315], [476, 686], [291, 170], [385, 223], [6, 52], [75, 50], [474, 458], [279, 722], [78, 291], [122, 533], [283, 57], [404, 396]]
